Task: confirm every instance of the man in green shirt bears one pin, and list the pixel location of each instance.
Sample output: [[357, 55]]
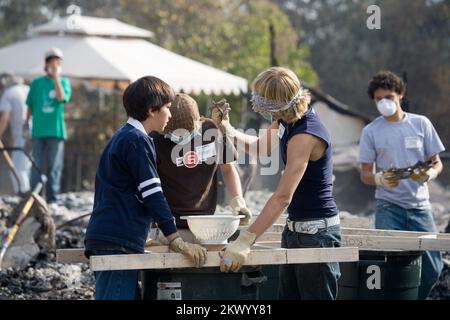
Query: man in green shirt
[[46, 100]]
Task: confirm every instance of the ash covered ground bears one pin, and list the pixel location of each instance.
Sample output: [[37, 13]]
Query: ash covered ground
[[43, 278]]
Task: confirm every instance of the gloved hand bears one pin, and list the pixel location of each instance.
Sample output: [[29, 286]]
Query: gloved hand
[[424, 175], [220, 117], [237, 252], [239, 207], [382, 179], [194, 252]]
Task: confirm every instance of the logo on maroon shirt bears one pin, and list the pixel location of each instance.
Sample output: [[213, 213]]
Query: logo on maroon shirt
[[190, 159]]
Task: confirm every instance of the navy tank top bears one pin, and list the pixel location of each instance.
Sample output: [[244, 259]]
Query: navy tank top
[[313, 198]]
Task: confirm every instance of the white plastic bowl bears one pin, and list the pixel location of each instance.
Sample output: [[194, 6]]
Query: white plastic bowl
[[213, 229]]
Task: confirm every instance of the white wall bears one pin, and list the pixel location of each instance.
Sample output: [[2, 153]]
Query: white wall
[[344, 129]]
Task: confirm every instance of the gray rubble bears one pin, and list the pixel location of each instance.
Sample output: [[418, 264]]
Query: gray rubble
[[43, 278]]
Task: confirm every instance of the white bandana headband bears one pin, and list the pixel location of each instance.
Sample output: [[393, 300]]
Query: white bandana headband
[[261, 104]]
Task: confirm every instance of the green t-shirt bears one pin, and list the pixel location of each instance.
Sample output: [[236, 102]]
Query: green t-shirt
[[47, 111]]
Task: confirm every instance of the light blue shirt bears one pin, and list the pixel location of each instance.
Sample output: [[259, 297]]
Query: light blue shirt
[[399, 145], [13, 101]]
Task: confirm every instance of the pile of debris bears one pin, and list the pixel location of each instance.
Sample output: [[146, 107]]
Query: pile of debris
[[45, 279], [442, 289], [42, 277]]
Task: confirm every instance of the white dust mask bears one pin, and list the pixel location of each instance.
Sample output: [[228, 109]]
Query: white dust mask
[[386, 107]]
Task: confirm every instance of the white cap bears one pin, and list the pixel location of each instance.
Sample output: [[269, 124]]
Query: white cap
[[54, 52]]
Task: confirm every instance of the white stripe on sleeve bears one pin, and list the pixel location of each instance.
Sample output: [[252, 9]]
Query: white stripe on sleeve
[[148, 182], [150, 192]]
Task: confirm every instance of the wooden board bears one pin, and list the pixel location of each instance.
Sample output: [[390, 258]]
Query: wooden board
[[356, 222], [276, 228], [256, 257], [77, 255], [269, 236], [382, 239], [392, 233], [416, 241], [351, 237], [281, 219], [395, 243]]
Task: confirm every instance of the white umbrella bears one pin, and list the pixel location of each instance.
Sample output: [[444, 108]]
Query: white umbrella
[[87, 55]]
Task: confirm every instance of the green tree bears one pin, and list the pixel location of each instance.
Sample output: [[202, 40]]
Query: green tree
[[414, 38], [231, 35], [228, 34], [18, 16]]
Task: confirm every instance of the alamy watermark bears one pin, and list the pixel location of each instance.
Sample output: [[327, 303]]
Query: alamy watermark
[[374, 280], [373, 22], [73, 11], [211, 147]]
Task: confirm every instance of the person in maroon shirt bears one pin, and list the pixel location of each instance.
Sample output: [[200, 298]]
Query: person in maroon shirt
[[189, 153]]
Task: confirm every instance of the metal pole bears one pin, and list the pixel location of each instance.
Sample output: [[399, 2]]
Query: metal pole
[[10, 165], [273, 56]]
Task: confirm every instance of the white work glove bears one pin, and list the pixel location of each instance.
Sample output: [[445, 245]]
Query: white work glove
[[237, 252], [383, 179], [192, 251], [220, 117], [424, 175], [239, 207]]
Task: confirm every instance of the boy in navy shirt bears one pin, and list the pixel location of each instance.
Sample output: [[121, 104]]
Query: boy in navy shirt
[[128, 194]]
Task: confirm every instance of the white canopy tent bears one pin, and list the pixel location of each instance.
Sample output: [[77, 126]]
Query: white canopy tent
[[107, 49], [91, 26]]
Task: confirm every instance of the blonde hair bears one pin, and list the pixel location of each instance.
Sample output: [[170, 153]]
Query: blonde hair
[[282, 85], [185, 114]]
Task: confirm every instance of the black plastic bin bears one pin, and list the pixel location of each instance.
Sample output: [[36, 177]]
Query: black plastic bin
[[269, 289], [381, 275], [250, 283]]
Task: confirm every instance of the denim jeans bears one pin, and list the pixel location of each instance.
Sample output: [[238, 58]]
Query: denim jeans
[[50, 151], [310, 281], [118, 284], [389, 216]]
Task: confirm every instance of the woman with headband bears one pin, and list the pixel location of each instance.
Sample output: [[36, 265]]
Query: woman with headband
[[305, 188]]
